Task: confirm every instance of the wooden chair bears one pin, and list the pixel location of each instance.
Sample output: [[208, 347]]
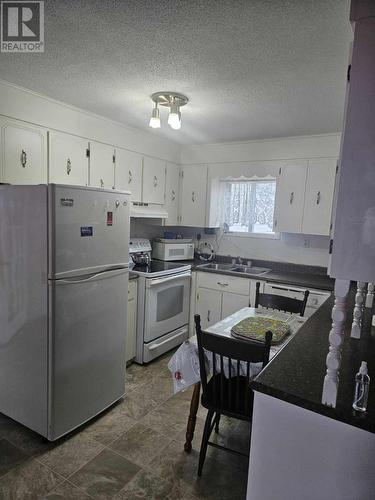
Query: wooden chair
[[231, 396], [280, 302]]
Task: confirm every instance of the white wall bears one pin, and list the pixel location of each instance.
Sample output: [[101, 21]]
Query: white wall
[[263, 158], [31, 107]]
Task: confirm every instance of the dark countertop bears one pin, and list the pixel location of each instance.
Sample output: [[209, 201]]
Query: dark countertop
[[289, 274], [297, 372]]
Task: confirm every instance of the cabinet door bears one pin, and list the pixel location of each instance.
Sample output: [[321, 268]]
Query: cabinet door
[[128, 173], [290, 192], [131, 321], [153, 181], [320, 186], [102, 165], [232, 303], [209, 306], [193, 196], [68, 161], [172, 182], [24, 158]]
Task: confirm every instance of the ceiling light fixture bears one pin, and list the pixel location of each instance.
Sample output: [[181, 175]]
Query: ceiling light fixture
[[173, 101]]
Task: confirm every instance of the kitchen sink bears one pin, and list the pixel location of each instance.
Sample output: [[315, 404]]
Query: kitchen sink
[[216, 267], [250, 270], [231, 268]]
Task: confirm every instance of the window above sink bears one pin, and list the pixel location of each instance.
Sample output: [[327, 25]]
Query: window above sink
[[248, 207]]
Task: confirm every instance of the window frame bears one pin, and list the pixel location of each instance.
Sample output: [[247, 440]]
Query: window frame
[[272, 235]]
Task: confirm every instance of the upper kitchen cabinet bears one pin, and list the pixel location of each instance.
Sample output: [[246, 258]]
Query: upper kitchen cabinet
[[320, 185], [68, 160], [290, 193], [153, 180], [193, 195], [172, 183], [128, 173], [23, 158], [102, 165]]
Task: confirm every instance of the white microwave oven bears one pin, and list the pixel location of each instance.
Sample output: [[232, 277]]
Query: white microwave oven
[[172, 251]]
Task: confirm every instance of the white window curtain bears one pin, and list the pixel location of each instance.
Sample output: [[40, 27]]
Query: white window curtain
[[249, 205]]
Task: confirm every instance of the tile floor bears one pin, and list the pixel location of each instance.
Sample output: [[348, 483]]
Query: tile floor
[[132, 451]]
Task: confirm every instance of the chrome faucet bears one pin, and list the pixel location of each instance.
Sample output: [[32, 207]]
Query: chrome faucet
[[240, 260]]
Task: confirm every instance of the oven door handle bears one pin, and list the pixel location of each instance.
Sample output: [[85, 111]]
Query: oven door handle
[[154, 282], [155, 346]]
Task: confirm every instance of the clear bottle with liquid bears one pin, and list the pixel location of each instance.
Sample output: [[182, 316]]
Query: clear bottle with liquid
[[362, 383]]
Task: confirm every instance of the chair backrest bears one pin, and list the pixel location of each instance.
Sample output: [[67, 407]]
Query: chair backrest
[[239, 354], [280, 302]]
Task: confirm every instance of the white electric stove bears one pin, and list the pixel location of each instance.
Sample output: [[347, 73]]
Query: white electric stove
[[163, 303]]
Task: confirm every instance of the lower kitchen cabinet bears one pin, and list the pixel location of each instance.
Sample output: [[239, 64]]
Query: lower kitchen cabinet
[[208, 306], [219, 295], [132, 321], [232, 302]]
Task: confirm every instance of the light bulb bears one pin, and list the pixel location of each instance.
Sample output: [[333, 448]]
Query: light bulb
[[155, 118], [175, 122], [174, 117]]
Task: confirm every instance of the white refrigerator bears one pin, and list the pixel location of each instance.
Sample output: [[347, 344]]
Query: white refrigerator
[[63, 304]]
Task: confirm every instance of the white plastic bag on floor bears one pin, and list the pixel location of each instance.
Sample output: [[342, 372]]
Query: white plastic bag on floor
[[184, 366]]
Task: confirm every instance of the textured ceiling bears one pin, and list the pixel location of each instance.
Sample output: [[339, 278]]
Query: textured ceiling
[[252, 68]]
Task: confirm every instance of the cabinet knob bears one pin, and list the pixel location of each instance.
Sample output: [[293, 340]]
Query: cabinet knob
[[173, 195], [23, 158], [208, 315], [155, 181], [68, 166], [318, 197], [193, 196], [130, 176], [101, 183], [291, 199]]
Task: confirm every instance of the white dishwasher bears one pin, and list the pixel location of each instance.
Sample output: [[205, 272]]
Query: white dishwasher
[[314, 301]]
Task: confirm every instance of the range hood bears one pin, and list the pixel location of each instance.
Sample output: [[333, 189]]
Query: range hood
[[148, 211]]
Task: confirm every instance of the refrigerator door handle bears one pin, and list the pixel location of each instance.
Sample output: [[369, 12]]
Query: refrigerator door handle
[[69, 282], [85, 280]]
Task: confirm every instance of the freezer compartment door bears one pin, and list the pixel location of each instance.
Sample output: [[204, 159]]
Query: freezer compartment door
[[87, 347], [89, 230]]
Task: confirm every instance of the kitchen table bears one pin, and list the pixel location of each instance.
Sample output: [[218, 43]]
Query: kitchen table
[[223, 328]]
